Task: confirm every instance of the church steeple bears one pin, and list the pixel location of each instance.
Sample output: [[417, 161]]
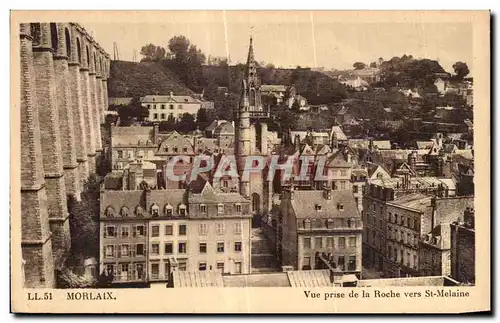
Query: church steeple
[[252, 86]]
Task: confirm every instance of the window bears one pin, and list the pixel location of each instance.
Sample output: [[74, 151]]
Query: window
[[342, 262], [182, 264], [125, 250], [340, 207], [182, 229], [395, 218], [203, 247], [203, 228], [155, 231], [351, 266], [306, 263], [354, 188], [169, 230], [220, 208], [380, 224], [220, 246], [329, 242], [168, 210], [220, 229], [220, 266], [342, 185], [225, 184], [237, 267], [237, 228], [182, 210], [318, 207], [155, 115], [341, 242], [408, 258], [179, 106], [155, 249], [163, 106], [139, 249], [155, 270], [182, 247], [237, 246], [203, 208], [120, 154], [110, 250], [165, 149], [352, 241], [125, 231], [162, 116], [343, 172], [318, 242], [184, 150], [169, 248], [408, 238], [202, 266], [176, 150], [171, 106], [238, 208], [110, 232], [139, 230], [307, 243]]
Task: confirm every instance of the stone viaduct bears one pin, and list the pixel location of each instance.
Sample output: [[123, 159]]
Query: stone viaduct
[[63, 99]]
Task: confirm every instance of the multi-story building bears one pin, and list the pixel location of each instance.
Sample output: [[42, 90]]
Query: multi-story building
[[378, 193], [167, 233], [319, 221], [163, 107], [435, 252], [123, 236], [463, 246], [219, 231], [131, 143]]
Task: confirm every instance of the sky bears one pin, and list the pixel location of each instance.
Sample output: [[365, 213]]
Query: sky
[[287, 39]]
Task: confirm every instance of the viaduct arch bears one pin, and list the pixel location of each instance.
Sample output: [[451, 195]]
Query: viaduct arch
[[64, 95]]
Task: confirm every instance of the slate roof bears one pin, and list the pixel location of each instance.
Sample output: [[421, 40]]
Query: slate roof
[[206, 278], [382, 144], [210, 194], [309, 278], [304, 204], [168, 98], [415, 201], [338, 131], [130, 136], [338, 160], [257, 280]]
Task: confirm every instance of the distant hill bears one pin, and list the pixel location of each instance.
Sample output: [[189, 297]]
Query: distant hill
[[130, 79]]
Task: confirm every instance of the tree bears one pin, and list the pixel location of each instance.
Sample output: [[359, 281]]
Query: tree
[[152, 53], [186, 123], [461, 70], [359, 65], [373, 64], [202, 119]]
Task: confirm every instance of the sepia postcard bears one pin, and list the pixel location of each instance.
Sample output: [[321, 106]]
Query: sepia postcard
[[250, 162]]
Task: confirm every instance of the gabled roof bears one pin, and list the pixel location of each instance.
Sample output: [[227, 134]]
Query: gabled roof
[[304, 204], [338, 160], [209, 194], [130, 136], [338, 131]]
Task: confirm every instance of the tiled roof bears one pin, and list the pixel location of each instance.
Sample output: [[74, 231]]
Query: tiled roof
[[304, 204]]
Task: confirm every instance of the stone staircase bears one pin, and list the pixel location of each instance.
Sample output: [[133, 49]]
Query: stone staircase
[[263, 257]]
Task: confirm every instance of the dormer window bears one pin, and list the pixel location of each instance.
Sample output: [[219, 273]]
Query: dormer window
[[220, 208], [307, 224], [176, 150], [168, 210], [318, 207], [124, 211], [110, 212], [238, 207], [203, 208], [185, 150], [340, 207], [155, 210], [165, 149], [139, 211], [182, 210]]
